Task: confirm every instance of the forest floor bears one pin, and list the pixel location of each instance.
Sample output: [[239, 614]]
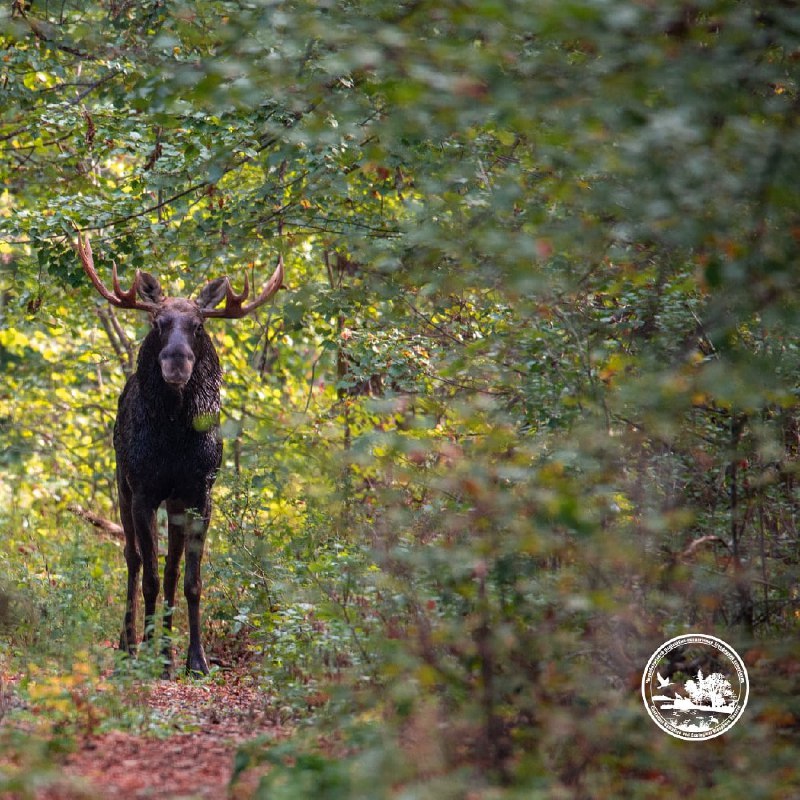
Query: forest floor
[[190, 754]]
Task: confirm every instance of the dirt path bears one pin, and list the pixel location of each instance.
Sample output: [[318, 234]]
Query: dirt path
[[196, 761]]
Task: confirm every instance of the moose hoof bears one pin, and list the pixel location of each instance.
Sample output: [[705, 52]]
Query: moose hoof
[[196, 664], [127, 645], [168, 670]]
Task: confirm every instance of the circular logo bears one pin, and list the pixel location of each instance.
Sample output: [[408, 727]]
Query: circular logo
[[695, 687]]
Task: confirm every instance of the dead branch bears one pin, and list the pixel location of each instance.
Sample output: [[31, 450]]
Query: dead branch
[[692, 548], [101, 523]]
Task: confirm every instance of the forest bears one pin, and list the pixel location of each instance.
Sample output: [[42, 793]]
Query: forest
[[525, 406]]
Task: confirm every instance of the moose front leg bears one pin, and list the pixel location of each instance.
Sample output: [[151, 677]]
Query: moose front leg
[[196, 526], [133, 560], [143, 511], [176, 521], [127, 641]]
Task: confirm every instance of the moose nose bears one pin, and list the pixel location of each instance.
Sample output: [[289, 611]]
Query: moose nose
[[176, 362]]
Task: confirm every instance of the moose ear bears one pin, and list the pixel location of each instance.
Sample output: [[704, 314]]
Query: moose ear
[[150, 289], [213, 293]]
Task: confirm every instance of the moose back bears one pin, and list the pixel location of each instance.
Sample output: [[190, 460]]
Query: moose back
[[167, 443]]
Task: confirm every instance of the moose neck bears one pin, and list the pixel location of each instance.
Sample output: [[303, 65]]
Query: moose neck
[[197, 400]]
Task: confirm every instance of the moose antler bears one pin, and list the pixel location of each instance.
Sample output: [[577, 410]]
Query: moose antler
[[118, 297], [234, 308]]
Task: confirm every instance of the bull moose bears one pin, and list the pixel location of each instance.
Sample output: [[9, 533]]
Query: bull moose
[[167, 443]]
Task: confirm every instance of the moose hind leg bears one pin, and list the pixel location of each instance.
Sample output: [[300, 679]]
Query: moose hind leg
[[196, 526]]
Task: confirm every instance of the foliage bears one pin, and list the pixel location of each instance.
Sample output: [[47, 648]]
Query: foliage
[[527, 407]]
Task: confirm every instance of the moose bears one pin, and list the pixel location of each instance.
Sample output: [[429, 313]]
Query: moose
[[167, 442]]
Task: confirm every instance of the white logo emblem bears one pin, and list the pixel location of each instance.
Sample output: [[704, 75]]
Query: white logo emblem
[[695, 687]]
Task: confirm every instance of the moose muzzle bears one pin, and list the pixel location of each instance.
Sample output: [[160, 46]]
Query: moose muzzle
[[177, 362]]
